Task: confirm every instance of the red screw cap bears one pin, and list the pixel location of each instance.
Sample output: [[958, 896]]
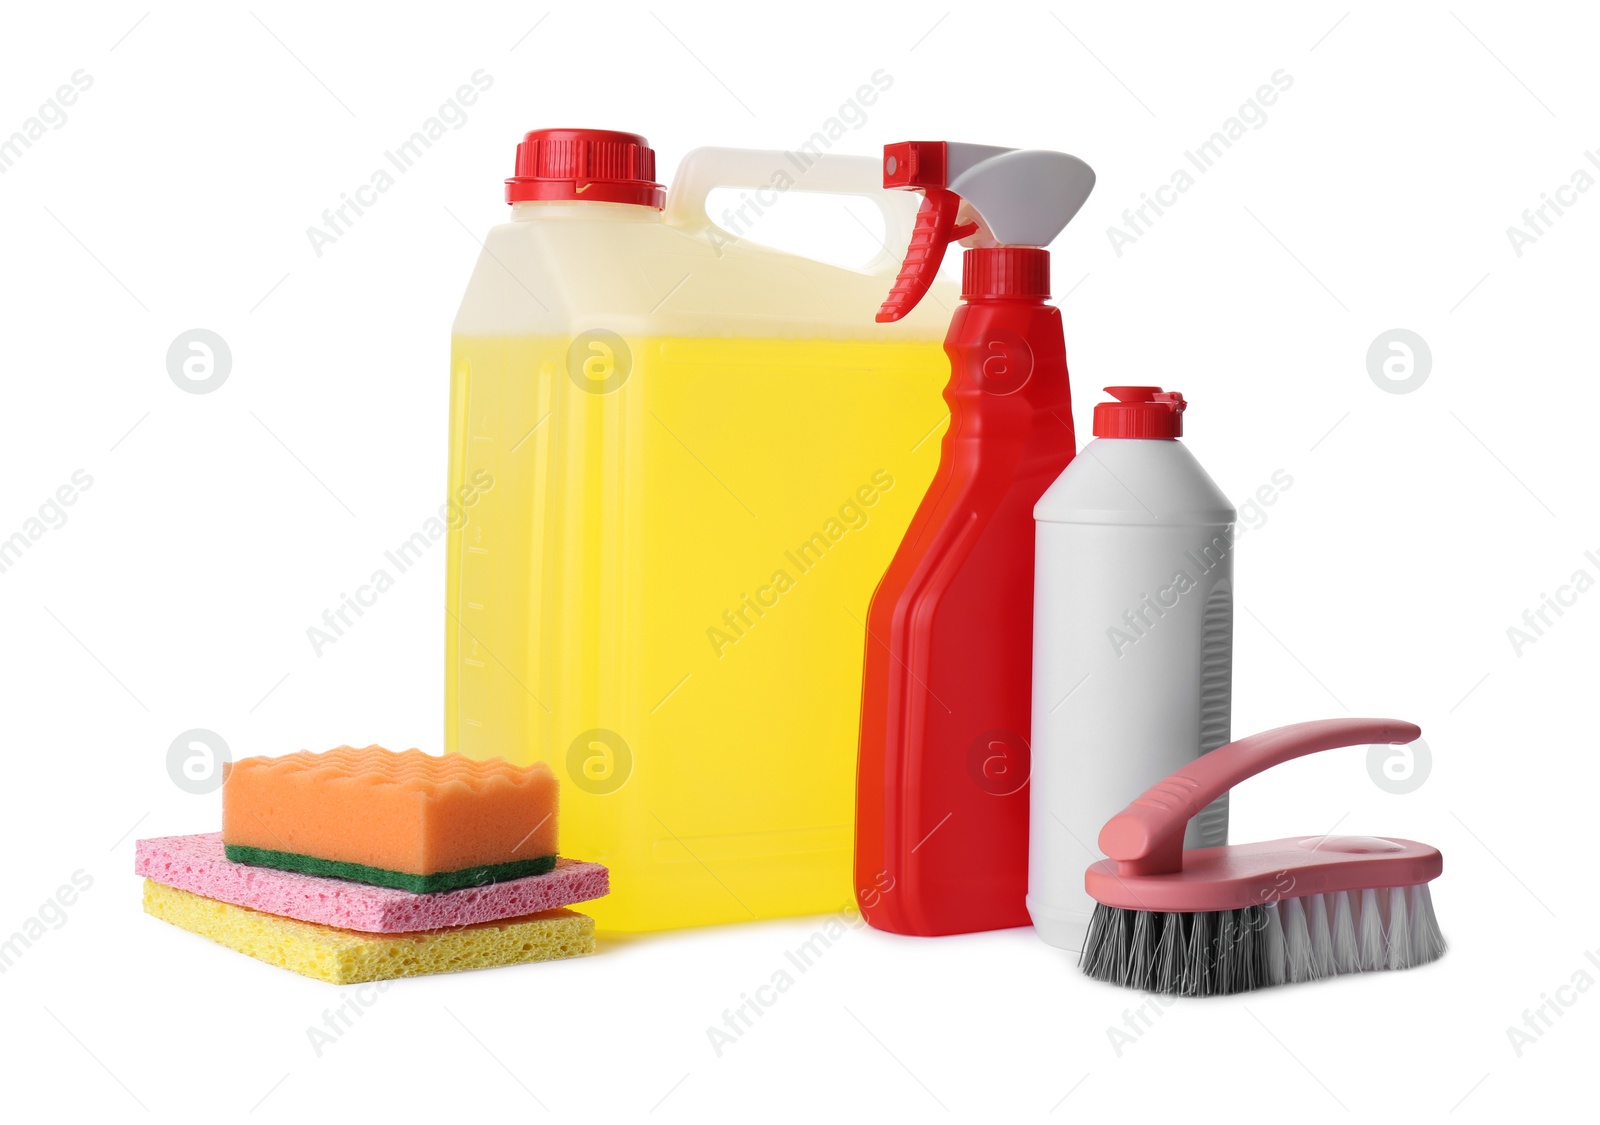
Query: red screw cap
[[1140, 412], [586, 164], [1005, 271]]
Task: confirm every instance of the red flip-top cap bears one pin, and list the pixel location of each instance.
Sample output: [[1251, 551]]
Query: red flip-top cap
[[599, 165], [1140, 412]]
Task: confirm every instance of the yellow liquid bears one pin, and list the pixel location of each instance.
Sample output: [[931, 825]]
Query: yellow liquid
[[662, 590]]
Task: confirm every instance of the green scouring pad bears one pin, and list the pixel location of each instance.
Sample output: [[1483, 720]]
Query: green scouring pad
[[382, 877]]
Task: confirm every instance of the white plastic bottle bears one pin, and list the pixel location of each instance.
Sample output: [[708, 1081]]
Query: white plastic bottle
[[1132, 643]]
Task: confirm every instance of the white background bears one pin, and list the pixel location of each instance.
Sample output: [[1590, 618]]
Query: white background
[[218, 527]]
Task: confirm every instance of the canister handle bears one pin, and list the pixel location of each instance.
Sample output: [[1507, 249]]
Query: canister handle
[[703, 169]]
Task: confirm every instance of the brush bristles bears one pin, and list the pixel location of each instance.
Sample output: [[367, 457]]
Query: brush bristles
[[1217, 953]]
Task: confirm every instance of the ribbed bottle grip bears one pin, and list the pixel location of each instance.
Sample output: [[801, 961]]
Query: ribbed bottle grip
[[1216, 705]]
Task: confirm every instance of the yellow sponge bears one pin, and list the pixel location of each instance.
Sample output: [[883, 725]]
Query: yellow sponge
[[349, 957]]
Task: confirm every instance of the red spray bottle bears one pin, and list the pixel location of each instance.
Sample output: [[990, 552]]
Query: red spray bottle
[[941, 792]]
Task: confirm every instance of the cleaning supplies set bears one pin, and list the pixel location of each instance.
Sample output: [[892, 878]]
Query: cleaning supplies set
[[783, 651]]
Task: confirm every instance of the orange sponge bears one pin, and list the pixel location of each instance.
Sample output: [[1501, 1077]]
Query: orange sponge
[[432, 822]]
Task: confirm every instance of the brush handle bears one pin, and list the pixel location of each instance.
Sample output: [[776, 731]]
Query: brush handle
[[1146, 838]]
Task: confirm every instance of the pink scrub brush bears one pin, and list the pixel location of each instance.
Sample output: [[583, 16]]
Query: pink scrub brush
[[1220, 920]]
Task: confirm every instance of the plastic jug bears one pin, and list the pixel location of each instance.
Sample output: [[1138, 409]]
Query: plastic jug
[[685, 461]]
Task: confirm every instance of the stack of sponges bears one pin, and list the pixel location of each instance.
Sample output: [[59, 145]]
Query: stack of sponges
[[362, 865]]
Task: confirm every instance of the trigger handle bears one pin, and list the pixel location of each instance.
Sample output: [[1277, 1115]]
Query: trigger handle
[[935, 229]]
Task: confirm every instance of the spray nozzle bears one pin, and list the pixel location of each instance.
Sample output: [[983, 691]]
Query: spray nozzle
[[977, 195]]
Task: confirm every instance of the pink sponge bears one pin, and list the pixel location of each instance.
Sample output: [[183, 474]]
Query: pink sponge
[[197, 864]]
